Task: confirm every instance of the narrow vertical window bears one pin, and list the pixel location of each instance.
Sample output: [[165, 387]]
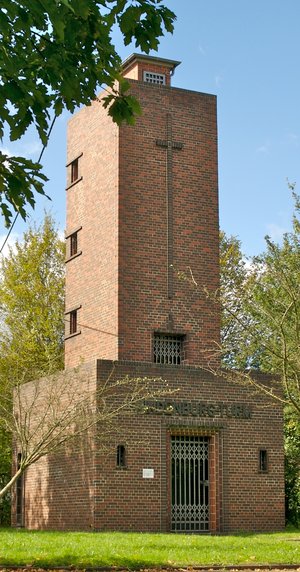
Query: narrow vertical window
[[121, 456], [263, 461], [73, 244], [73, 322], [74, 171], [19, 494]]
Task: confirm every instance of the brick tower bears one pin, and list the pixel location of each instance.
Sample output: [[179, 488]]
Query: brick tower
[[142, 226], [142, 254]]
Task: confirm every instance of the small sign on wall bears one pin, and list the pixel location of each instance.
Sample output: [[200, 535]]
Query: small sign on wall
[[148, 473]]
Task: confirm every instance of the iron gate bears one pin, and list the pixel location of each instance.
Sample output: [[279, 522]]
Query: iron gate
[[189, 483]]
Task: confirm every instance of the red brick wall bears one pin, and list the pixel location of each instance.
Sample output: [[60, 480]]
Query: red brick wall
[[82, 489], [241, 497], [59, 488], [136, 70], [119, 280], [92, 203], [143, 302]]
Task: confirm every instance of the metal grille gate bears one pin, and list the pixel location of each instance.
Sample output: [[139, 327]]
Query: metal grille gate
[[189, 483]]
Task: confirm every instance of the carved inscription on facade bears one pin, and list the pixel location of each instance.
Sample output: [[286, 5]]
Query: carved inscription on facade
[[198, 409]]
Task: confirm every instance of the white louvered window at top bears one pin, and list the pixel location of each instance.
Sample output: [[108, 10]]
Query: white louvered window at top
[[157, 78]]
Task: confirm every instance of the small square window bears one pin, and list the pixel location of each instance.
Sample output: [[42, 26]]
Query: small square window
[[168, 349], [263, 461], [73, 244], [74, 171], [157, 78], [73, 321]]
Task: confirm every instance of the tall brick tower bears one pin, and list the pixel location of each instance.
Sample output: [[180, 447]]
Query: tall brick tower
[[142, 226], [142, 253]]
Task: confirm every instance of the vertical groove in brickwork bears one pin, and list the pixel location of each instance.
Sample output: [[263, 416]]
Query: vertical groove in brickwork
[[170, 269]]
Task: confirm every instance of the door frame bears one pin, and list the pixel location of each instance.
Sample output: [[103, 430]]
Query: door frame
[[215, 475]]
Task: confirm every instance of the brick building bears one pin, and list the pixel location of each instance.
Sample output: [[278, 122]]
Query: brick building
[[142, 231]]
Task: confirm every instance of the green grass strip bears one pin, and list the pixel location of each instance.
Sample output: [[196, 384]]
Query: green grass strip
[[132, 550]]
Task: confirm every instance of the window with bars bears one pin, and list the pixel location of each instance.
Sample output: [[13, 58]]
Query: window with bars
[[121, 456], [74, 171], [73, 244], [19, 493], [72, 325], [263, 461], [157, 78], [168, 349], [73, 322]]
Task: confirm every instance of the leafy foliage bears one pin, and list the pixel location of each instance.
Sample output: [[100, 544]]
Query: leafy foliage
[[233, 277], [31, 336], [5, 471], [265, 320], [261, 330], [54, 54], [18, 178], [292, 468], [32, 304]]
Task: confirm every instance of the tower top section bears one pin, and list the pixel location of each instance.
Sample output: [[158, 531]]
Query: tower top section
[[149, 69]]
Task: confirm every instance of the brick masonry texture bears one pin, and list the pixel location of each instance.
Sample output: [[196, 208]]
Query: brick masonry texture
[[120, 280], [82, 488], [136, 205], [58, 489], [92, 203], [243, 498]]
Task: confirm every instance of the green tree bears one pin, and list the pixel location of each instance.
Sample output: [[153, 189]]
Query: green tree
[[233, 278], [261, 314], [54, 55], [5, 471], [55, 408], [270, 301], [32, 304], [63, 409], [292, 467], [32, 326]]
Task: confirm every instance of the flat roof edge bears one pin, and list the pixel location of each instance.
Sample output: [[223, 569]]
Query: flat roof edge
[[171, 63]]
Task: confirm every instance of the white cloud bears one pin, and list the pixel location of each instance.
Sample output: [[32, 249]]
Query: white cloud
[[248, 264], [11, 242], [264, 148], [275, 231], [218, 79], [6, 151], [26, 148], [32, 148]]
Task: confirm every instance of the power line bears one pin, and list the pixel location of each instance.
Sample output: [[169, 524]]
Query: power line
[[39, 160], [94, 329]]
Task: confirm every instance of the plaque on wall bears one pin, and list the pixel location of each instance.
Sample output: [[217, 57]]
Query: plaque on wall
[[148, 473]]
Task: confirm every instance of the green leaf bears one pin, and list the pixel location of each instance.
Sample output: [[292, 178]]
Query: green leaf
[[54, 54]]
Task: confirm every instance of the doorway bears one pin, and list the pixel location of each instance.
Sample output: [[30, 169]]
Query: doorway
[[189, 483]]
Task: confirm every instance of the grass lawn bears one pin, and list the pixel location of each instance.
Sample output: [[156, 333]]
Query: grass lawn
[[131, 550]]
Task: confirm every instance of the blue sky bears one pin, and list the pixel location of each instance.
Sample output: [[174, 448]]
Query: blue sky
[[247, 53]]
